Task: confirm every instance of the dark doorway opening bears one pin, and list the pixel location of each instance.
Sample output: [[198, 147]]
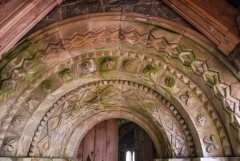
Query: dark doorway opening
[[117, 139], [134, 143]]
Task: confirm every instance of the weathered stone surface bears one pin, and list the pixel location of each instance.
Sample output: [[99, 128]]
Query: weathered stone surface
[[34, 159], [71, 8], [149, 74], [18, 18], [221, 30], [60, 159], [203, 159]]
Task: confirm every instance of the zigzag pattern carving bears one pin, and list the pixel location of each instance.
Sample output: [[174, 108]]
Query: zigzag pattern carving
[[15, 73], [178, 74], [187, 139], [186, 56]]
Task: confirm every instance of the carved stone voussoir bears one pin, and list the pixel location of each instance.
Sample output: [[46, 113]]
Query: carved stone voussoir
[[79, 105], [9, 145], [212, 143], [64, 92], [87, 67], [188, 98], [202, 119]]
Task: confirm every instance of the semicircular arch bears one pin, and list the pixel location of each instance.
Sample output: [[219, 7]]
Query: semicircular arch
[[157, 54]]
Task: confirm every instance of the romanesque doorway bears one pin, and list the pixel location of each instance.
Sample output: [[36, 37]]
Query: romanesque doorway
[[62, 81], [117, 139]]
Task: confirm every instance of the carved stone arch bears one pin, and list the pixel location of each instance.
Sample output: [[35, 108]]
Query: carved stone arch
[[140, 112], [155, 54]]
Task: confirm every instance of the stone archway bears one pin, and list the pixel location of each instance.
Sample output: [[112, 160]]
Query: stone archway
[[157, 64], [74, 121]]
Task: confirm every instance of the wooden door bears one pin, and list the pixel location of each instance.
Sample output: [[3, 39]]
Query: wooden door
[[143, 145], [100, 143], [133, 139]]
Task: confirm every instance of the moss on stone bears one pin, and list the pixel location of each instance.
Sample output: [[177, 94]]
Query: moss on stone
[[170, 82], [46, 84], [107, 63], [64, 71], [23, 45]]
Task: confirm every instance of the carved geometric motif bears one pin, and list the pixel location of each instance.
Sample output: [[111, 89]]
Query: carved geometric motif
[[32, 103], [108, 63], [94, 96], [179, 141], [17, 120], [150, 70], [9, 145], [43, 145], [66, 74], [79, 41], [69, 115], [188, 98], [186, 57], [162, 44], [170, 82], [87, 67], [105, 36], [53, 50], [211, 78], [212, 143], [221, 90], [202, 119], [233, 105], [199, 67], [133, 37], [53, 123], [9, 85], [128, 64]]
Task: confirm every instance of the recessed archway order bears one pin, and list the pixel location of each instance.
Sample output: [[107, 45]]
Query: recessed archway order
[[117, 66], [78, 111]]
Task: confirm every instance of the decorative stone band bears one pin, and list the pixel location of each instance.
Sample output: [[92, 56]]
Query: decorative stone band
[[174, 61]]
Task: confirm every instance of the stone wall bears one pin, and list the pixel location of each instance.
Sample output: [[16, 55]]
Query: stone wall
[[71, 8]]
